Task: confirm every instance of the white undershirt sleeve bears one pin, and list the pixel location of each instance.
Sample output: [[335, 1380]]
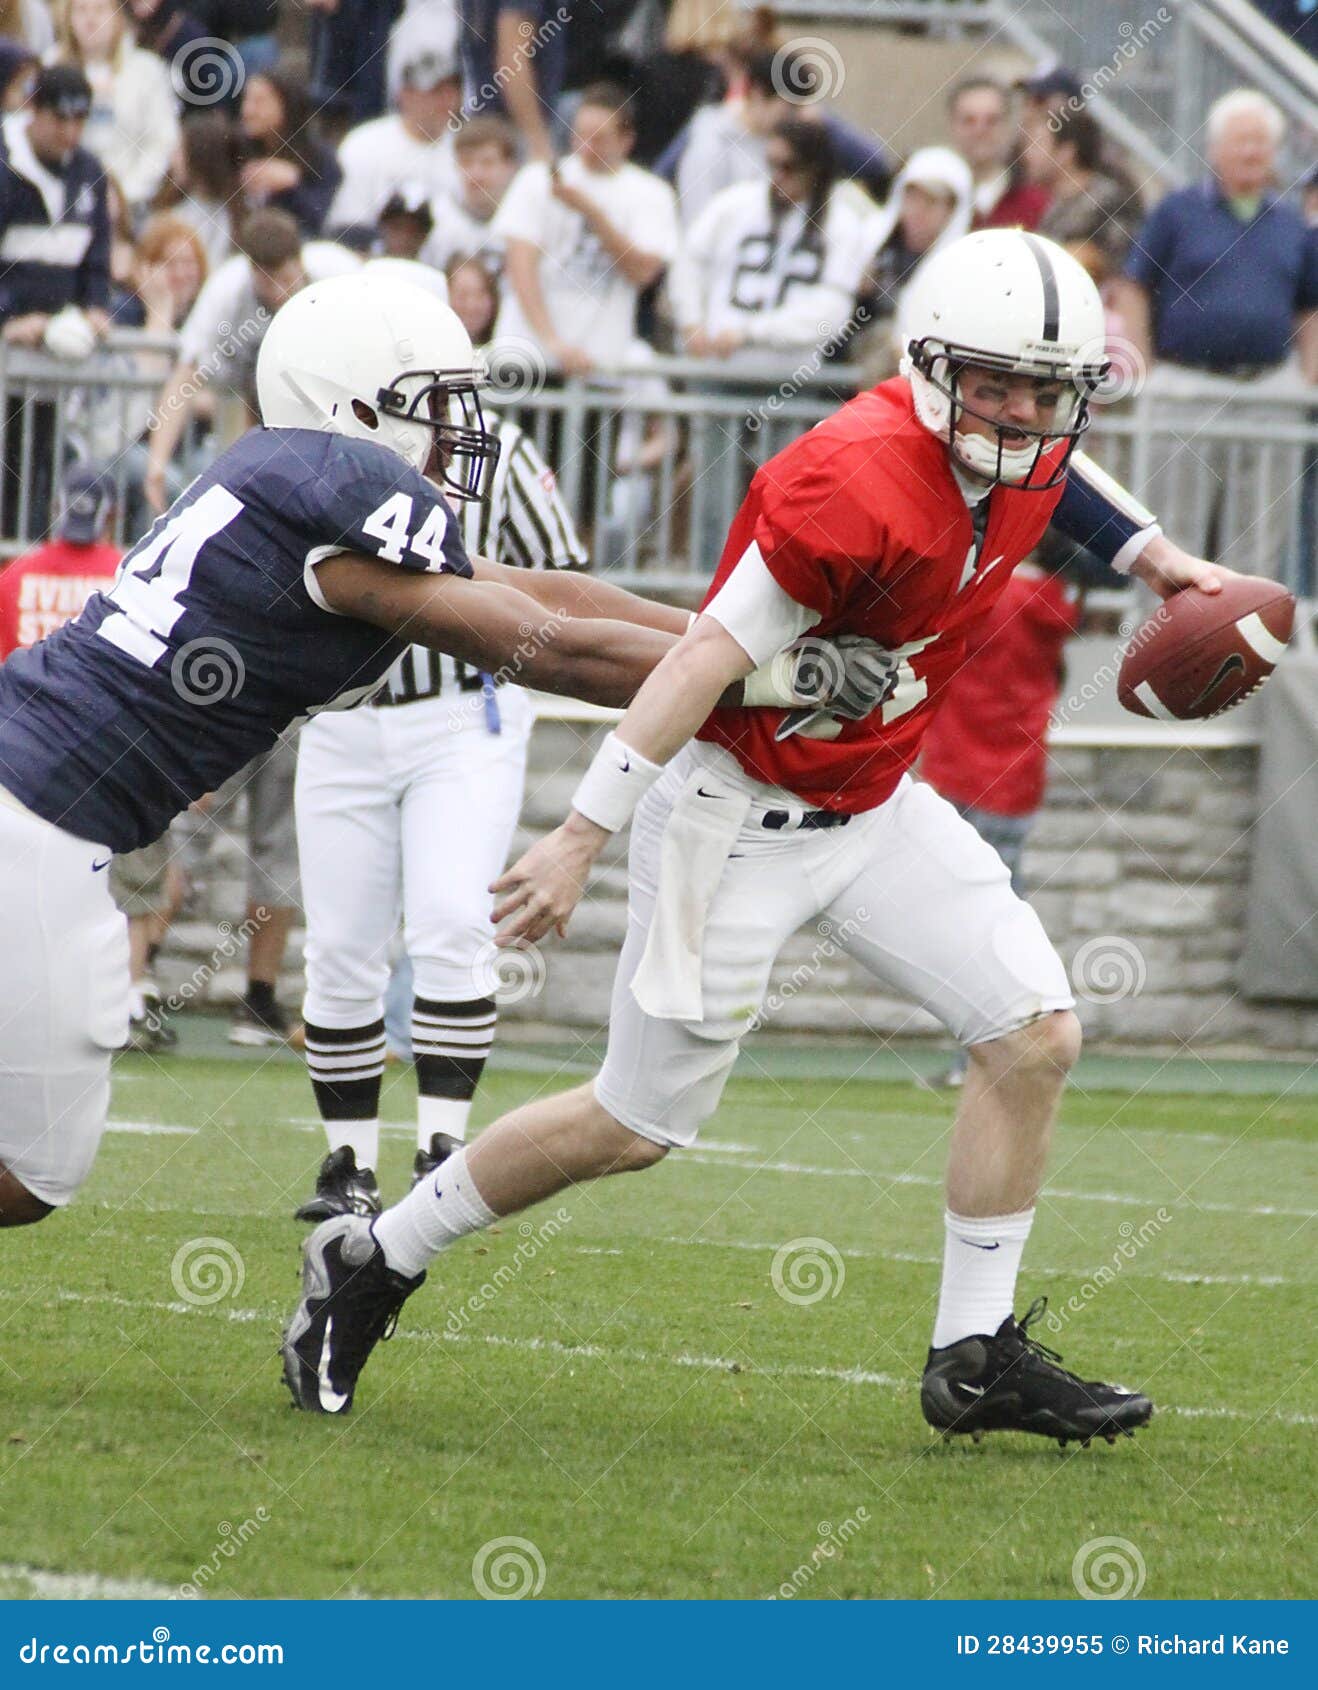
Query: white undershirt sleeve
[[755, 610]]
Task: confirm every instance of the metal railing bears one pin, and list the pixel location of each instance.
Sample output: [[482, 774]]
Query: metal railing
[[654, 459]]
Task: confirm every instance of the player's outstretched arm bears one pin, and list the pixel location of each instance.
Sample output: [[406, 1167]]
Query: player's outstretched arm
[[578, 594], [497, 628]]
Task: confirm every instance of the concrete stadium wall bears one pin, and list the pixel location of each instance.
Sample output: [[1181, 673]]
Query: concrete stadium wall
[[1137, 863]]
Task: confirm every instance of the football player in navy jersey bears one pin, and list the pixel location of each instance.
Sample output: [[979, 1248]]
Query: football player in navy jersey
[[286, 580]]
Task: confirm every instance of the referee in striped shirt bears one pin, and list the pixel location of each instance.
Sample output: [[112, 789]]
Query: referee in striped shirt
[[405, 813]]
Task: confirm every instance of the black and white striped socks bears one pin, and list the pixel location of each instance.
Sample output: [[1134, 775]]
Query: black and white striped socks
[[450, 1043], [346, 1065]]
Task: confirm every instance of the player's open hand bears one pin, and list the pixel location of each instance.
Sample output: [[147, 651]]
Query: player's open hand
[[1168, 569], [544, 886]]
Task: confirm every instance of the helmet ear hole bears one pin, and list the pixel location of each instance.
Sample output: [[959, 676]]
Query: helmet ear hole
[[364, 414]]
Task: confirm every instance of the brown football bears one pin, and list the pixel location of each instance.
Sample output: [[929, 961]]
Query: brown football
[[1200, 653]]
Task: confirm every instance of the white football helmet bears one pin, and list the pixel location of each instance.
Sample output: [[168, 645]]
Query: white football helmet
[[377, 358], [1005, 300]]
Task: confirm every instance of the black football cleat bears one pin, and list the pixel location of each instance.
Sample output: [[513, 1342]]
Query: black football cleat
[[350, 1302], [426, 1161], [342, 1188], [1012, 1383]]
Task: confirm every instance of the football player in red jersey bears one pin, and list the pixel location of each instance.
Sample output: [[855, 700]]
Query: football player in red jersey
[[900, 518]]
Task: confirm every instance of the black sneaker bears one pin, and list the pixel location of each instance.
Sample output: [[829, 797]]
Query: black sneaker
[[156, 1020], [350, 1301], [342, 1188], [425, 1162], [1011, 1383], [258, 1023]]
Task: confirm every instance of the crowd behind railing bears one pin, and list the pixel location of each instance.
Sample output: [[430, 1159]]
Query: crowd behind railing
[[672, 270]]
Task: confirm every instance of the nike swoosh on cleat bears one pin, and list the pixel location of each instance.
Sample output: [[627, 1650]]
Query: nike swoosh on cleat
[[332, 1401]]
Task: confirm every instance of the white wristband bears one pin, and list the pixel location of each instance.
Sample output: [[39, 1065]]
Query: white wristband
[[614, 785]]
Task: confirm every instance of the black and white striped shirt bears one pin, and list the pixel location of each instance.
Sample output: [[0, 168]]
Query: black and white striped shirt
[[521, 522]]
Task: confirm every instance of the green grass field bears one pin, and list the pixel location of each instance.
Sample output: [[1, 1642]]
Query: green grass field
[[631, 1395]]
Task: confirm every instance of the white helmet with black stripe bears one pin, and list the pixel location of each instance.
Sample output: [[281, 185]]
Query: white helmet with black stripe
[[1010, 301]]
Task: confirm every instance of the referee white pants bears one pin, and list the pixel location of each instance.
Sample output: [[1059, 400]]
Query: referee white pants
[[909, 890], [63, 1001], [405, 813]]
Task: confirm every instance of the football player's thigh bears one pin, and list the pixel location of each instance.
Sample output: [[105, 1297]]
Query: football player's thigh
[[459, 814], [663, 1078], [63, 1004], [933, 915], [349, 845]]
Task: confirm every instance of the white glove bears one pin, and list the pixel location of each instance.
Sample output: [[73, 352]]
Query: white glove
[[69, 335]]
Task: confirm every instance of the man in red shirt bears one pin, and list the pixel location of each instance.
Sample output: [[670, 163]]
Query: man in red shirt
[[901, 519], [48, 587]]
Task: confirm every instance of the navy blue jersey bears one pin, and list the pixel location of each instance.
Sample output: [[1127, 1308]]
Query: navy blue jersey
[[213, 638]]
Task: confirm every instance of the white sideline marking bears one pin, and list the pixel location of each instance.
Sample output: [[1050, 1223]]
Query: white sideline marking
[[51, 1586], [1268, 1280], [647, 1358], [1048, 1191], [150, 1129]]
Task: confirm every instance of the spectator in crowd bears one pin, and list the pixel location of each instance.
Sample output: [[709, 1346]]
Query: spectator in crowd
[[728, 143], [485, 151], [412, 145], [18, 65], [54, 260], [133, 127], [202, 185], [349, 41], [473, 293], [771, 265], [979, 118], [248, 25], [1223, 282], [986, 750], [405, 224], [171, 30], [1087, 200], [514, 54], [584, 238], [222, 335], [284, 165], [930, 204], [28, 23]]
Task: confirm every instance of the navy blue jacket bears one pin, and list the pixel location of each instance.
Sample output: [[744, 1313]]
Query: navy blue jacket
[[54, 229]]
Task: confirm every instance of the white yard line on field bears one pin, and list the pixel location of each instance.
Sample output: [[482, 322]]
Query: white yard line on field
[[647, 1358], [44, 1585]]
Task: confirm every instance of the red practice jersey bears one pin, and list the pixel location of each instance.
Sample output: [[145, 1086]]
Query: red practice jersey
[[987, 744], [862, 521], [49, 587]]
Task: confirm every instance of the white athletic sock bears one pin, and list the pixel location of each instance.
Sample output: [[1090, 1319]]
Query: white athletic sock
[[439, 1209], [363, 1136], [981, 1258], [441, 1115]]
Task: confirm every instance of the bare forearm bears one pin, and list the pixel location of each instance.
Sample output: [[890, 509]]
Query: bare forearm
[[521, 89], [639, 267], [173, 408], [690, 682], [524, 277], [585, 596], [1134, 305], [1306, 345]]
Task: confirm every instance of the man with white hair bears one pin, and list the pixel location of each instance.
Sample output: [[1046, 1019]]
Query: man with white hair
[[1223, 282]]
